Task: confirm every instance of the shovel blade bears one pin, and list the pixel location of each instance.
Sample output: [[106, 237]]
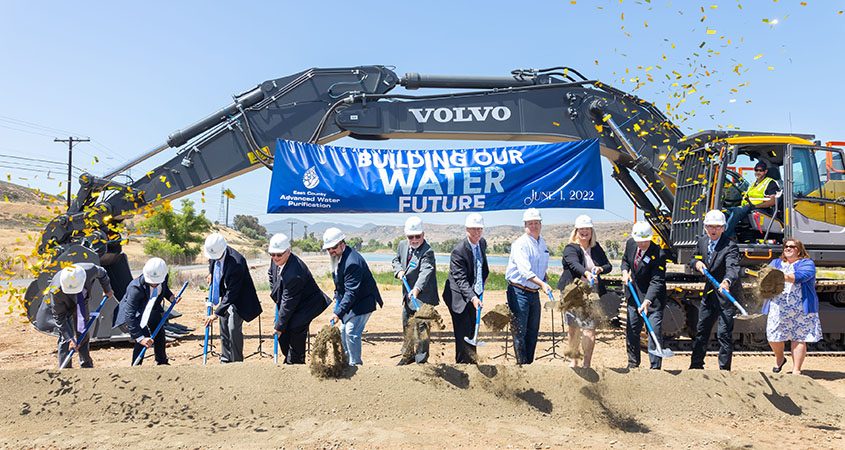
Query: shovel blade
[[665, 354], [474, 342]]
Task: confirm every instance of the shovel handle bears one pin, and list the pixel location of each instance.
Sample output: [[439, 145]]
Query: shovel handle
[[414, 303], [645, 319], [276, 339], [161, 322], [724, 292]]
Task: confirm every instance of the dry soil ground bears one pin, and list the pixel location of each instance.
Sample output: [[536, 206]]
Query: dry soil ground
[[496, 404]]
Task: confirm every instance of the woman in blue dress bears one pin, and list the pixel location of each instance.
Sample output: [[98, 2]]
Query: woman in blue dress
[[794, 314]]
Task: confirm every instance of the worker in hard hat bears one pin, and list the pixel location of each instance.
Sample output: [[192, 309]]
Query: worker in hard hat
[[356, 294], [232, 292], [720, 256], [70, 291], [526, 276], [141, 309], [761, 195], [298, 298], [584, 259], [414, 261], [468, 270], [644, 266]]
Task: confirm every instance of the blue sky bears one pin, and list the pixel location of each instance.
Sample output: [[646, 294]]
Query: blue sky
[[128, 74]]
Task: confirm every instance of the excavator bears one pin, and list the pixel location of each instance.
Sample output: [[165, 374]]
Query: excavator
[[674, 179]]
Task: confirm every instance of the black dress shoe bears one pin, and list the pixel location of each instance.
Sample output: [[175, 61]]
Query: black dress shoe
[[778, 368]]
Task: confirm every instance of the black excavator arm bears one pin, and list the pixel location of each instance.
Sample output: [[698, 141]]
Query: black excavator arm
[[322, 105]]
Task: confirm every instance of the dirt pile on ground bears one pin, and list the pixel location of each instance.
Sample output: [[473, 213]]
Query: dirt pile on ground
[[262, 405]]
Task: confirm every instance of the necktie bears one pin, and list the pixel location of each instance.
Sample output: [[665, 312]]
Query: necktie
[[710, 247], [408, 259], [214, 295], [637, 258], [145, 318], [81, 312], [479, 282]]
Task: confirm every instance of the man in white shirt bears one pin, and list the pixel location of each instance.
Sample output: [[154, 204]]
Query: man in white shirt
[[526, 276]]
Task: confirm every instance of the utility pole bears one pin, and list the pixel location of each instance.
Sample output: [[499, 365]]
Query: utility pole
[[305, 234], [291, 222], [70, 141]]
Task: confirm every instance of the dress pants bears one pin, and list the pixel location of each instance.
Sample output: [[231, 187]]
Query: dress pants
[[463, 325], [714, 308], [292, 344], [525, 307], [83, 350], [159, 343], [632, 333], [422, 329], [231, 337]]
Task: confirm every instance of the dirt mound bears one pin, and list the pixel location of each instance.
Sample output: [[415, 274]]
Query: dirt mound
[[262, 405]]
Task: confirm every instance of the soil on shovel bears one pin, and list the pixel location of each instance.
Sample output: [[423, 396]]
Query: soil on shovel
[[324, 365], [498, 318], [769, 283]]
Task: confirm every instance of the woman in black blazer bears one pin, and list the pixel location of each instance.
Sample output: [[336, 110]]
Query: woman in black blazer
[[583, 258]]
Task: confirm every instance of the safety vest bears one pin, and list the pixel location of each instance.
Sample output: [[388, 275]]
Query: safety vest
[[756, 194]]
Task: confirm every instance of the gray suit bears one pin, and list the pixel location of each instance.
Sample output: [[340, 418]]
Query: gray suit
[[423, 276]]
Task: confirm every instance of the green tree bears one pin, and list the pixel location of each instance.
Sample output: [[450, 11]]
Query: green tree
[[179, 231], [612, 249], [308, 244], [249, 226], [355, 242]]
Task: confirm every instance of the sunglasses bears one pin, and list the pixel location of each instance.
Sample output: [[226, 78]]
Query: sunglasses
[[415, 236], [760, 170], [790, 246], [336, 246], [277, 255]]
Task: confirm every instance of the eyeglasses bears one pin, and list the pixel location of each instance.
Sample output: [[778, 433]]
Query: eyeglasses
[[761, 170], [789, 246], [415, 236], [277, 255], [335, 247]]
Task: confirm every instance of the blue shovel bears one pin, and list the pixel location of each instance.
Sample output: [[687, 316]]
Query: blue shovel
[[160, 324], [724, 292], [276, 339], [659, 351], [205, 340], [414, 303], [474, 341], [88, 326]]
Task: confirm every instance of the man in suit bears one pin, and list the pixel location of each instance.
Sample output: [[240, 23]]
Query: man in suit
[[141, 309], [69, 291], [414, 261], [720, 256], [468, 271], [356, 293], [644, 265], [298, 298], [232, 290]]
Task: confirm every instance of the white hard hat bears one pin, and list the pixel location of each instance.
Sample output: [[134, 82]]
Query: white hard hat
[[155, 270], [641, 232], [332, 237], [215, 246], [279, 243], [474, 220], [531, 214], [413, 226], [72, 279], [583, 221], [714, 217]]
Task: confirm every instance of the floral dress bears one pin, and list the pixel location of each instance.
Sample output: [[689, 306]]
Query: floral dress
[[787, 320]]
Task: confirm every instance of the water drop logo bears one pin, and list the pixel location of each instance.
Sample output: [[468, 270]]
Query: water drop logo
[[310, 179]]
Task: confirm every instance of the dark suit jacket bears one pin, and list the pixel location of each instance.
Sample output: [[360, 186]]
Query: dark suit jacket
[[423, 276], [63, 306], [135, 300], [355, 292], [724, 264], [574, 265], [459, 285], [296, 293], [649, 278], [236, 287]]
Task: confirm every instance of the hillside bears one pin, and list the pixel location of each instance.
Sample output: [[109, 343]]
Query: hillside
[[26, 208]]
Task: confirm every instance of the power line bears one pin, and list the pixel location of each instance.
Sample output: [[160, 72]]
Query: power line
[[38, 160]]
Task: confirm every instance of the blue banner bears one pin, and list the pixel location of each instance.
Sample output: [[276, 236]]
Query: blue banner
[[310, 178]]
